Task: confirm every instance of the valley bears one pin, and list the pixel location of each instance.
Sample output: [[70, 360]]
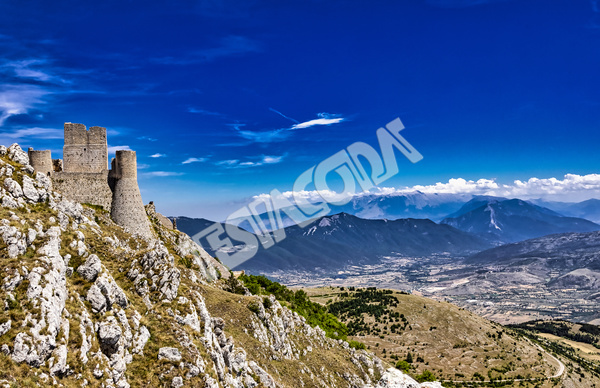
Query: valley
[[501, 294]]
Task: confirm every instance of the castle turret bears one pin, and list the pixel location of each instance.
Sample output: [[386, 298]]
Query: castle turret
[[127, 206], [41, 161]]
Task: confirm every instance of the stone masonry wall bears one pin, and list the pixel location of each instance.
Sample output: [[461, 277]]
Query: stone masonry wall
[[84, 187], [85, 151]]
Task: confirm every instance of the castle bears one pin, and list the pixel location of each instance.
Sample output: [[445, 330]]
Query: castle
[[83, 176]]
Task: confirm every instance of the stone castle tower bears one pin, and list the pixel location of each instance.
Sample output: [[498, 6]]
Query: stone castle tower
[[83, 176]]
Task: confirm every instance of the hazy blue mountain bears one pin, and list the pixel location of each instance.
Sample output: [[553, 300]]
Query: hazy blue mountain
[[590, 209], [510, 220], [434, 206], [391, 207]]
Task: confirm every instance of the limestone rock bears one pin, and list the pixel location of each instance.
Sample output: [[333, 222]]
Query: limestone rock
[[29, 190], [177, 382], [104, 293], [16, 154], [5, 327], [96, 298], [60, 366], [91, 268], [13, 188], [171, 354], [108, 336]]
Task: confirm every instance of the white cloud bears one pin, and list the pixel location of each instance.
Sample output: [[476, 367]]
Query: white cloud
[[158, 156], [457, 186], [194, 160], [570, 188], [162, 173], [281, 134], [324, 119]]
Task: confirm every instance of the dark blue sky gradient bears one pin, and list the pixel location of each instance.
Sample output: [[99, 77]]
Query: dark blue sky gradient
[[486, 89]]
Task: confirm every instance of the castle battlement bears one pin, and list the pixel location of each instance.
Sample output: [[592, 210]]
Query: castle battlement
[[83, 176]]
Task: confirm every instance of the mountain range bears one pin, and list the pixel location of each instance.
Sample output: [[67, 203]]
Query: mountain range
[[502, 220], [332, 242]]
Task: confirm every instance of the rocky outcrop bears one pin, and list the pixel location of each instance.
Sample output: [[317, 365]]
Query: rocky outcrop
[[87, 303]]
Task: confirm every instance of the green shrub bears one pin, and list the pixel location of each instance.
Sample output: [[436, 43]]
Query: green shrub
[[356, 345], [254, 307], [425, 376], [403, 366]]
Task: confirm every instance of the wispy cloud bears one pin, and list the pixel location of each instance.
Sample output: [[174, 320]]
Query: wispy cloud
[[194, 160], [158, 156], [147, 138], [281, 134], [228, 46], [203, 112], [36, 132], [32, 69], [284, 116], [18, 99], [162, 173], [262, 160]]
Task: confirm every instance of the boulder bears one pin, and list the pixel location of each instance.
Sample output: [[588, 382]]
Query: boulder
[[29, 190], [90, 269], [109, 335], [13, 188], [16, 154], [171, 354]]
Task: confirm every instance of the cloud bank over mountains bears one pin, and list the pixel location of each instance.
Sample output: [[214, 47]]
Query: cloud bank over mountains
[[571, 188]]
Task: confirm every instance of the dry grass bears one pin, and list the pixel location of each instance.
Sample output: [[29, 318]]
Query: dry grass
[[452, 342]]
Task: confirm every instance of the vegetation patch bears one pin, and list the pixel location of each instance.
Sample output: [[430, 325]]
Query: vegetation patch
[[298, 301]]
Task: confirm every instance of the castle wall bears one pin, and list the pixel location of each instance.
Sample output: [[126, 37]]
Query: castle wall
[[83, 176], [83, 187], [127, 206], [41, 161], [85, 151]]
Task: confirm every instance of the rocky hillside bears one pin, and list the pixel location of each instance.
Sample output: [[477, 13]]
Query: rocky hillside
[[86, 304]]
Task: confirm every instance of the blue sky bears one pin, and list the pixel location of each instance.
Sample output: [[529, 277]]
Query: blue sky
[[224, 100]]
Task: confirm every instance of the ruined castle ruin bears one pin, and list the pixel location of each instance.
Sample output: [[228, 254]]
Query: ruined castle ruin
[[83, 176]]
